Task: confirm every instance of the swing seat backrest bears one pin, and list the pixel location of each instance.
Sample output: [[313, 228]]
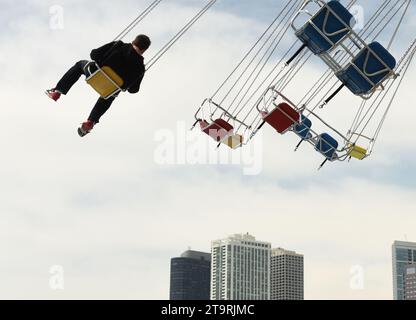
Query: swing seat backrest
[[303, 129], [218, 130], [368, 69], [106, 82], [324, 31], [282, 118], [327, 146]]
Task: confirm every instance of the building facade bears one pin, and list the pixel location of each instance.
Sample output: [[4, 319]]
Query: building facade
[[190, 276], [410, 282], [240, 268], [404, 253], [287, 275]]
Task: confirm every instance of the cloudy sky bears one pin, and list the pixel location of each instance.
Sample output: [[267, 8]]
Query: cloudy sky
[[113, 208]]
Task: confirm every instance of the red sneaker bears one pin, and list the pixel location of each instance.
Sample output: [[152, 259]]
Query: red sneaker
[[53, 94], [85, 128]]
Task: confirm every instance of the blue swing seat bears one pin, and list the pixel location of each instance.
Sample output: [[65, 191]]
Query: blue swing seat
[[368, 69], [303, 129], [327, 146], [332, 29]]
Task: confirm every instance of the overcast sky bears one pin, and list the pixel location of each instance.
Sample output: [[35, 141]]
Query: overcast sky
[[112, 213]]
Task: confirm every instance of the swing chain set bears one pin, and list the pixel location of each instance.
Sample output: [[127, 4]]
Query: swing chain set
[[364, 67]]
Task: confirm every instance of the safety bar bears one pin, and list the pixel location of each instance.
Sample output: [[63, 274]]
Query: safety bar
[[226, 112]]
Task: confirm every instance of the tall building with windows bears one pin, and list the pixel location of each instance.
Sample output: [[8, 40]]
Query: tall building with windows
[[410, 282], [404, 253], [240, 268], [190, 276], [286, 275]]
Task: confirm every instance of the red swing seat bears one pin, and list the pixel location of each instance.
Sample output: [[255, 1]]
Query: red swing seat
[[218, 130], [282, 118]]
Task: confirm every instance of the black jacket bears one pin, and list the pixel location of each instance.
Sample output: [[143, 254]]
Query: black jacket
[[124, 60]]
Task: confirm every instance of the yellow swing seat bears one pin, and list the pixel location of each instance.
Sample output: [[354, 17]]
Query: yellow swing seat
[[105, 81], [234, 141], [358, 152]]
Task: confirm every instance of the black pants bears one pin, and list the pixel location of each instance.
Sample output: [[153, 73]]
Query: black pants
[[71, 77]]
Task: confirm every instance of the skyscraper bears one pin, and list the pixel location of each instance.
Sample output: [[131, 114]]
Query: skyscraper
[[240, 268], [286, 275], [410, 282], [404, 253], [190, 276]]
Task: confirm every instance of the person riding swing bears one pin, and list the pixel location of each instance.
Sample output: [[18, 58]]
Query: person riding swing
[[120, 64]]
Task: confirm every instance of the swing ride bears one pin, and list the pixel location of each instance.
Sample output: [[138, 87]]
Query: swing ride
[[356, 59], [106, 82], [256, 93]]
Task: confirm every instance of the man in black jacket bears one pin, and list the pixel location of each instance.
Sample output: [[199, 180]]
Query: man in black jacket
[[126, 59]]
